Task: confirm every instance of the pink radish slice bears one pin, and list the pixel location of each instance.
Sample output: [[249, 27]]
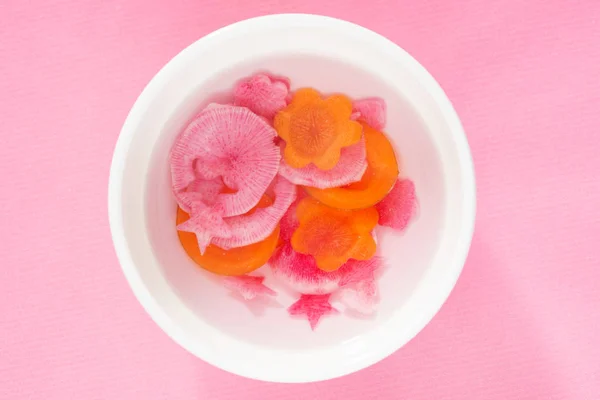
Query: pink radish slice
[[350, 168], [372, 111], [248, 229], [206, 222], [262, 94], [358, 271], [312, 307], [362, 298], [231, 142], [289, 222], [249, 287], [399, 206], [202, 190], [300, 272]]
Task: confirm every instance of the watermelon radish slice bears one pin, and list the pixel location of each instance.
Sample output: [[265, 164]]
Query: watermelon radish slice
[[372, 111], [248, 229], [206, 222], [249, 287], [289, 222], [399, 206], [300, 272], [230, 142], [357, 271], [203, 190], [313, 307], [262, 94], [350, 168]]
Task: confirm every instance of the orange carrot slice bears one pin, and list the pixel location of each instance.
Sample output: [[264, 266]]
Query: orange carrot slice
[[377, 181], [315, 129], [232, 262], [333, 236]]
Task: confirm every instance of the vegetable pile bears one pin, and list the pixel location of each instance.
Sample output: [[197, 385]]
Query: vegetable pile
[[293, 181]]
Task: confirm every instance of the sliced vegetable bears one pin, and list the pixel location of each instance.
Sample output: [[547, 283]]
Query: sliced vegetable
[[232, 143], [262, 94], [254, 227], [372, 111], [350, 168], [333, 236], [235, 261], [400, 205], [375, 184], [300, 272], [313, 307], [315, 129], [249, 287]]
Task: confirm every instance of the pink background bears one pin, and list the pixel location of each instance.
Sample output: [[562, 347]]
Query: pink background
[[523, 321]]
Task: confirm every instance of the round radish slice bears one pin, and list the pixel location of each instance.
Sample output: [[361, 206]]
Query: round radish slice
[[262, 94], [230, 142], [203, 190], [289, 222], [350, 168], [300, 272], [248, 229], [372, 111]]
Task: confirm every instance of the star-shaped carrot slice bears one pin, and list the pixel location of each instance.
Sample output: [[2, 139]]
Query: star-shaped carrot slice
[[313, 306], [316, 129], [249, 287], [333, 236]]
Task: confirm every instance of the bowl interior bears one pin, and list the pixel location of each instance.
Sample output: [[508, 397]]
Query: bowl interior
[[407, 256], [199, 312]]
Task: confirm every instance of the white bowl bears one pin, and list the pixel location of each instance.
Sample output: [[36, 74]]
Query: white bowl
[[423, 264]]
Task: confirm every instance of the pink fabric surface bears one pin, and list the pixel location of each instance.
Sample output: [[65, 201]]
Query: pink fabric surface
[[523, 321]]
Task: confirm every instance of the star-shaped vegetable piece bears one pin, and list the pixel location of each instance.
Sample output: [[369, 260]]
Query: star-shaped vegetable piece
[[249, 287], [313, 307], [206, 222], [399, 206]]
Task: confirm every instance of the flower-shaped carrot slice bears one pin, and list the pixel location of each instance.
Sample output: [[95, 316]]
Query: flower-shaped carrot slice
[[316, 129], [334, 236], [376, 182], [232, 262]]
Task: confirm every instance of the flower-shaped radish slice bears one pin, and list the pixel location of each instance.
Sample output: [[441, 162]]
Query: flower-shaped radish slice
[[262, 94]]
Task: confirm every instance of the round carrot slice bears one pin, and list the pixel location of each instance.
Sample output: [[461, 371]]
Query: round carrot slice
[[334, 236], [375, 184], [235, 261]]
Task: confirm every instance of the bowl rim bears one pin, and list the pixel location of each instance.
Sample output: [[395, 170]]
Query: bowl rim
[[322, 371]]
